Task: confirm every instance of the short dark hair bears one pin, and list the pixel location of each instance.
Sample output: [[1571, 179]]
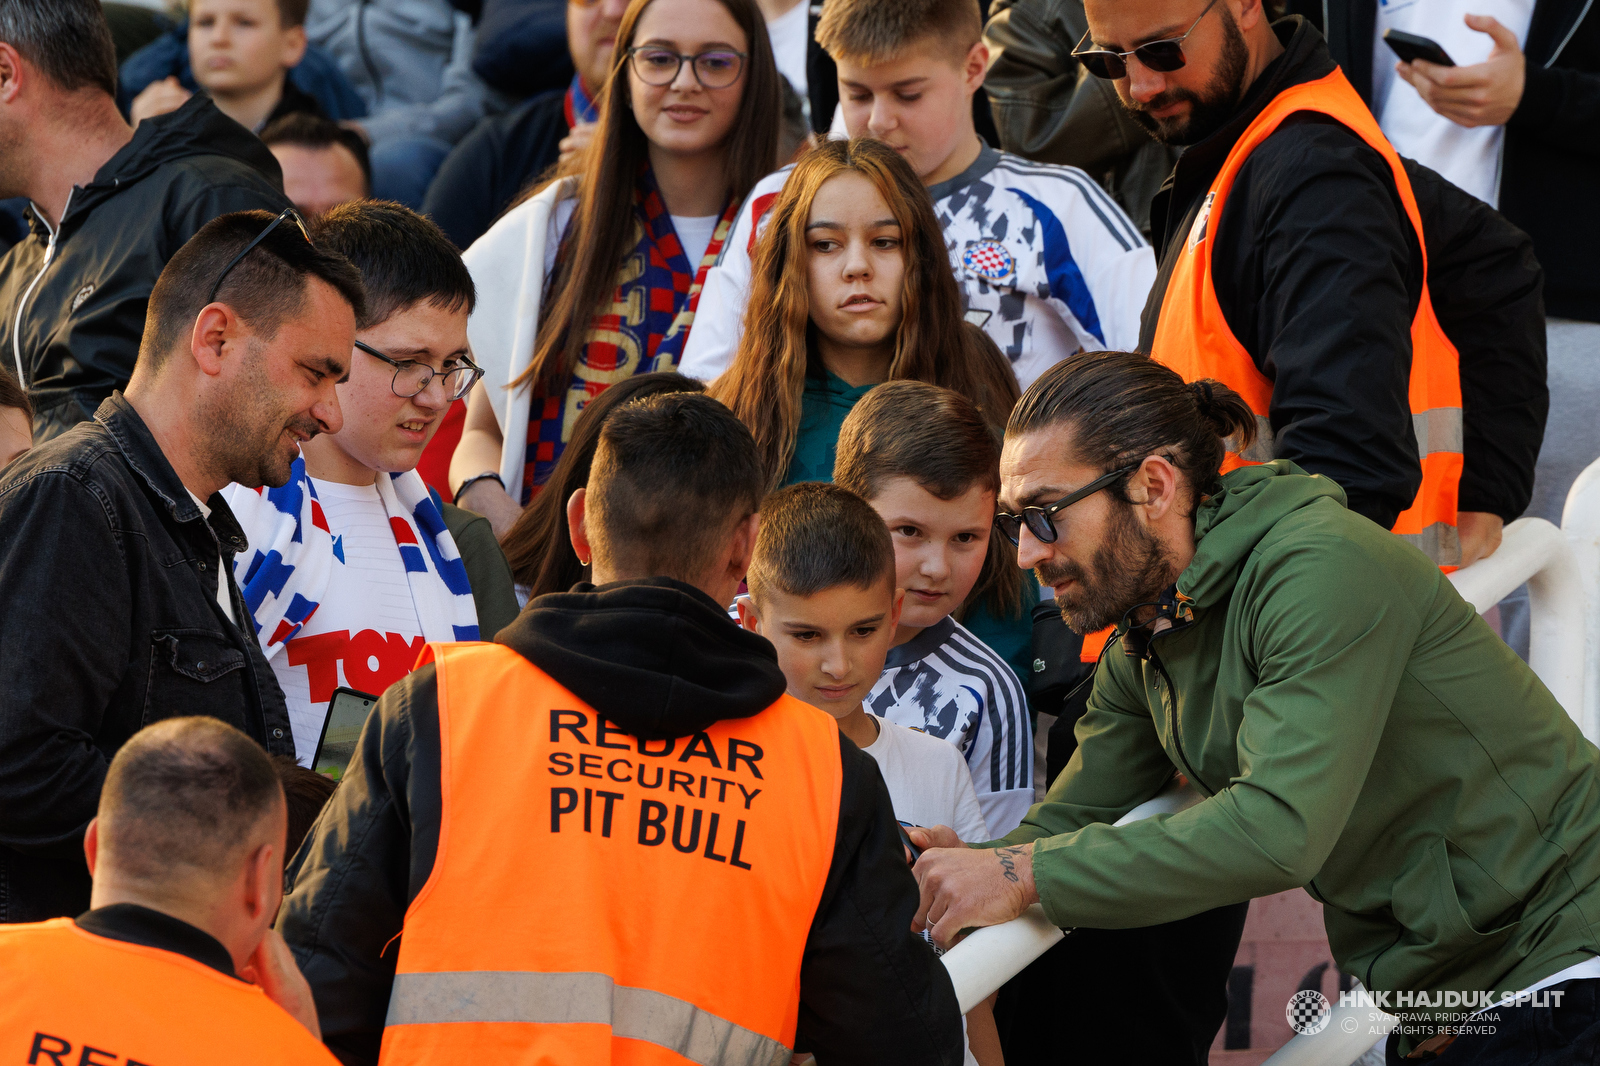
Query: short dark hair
[[313, 131], [1123, 406], [292, 13], [672, 474], [68, 40], [265, 288], [306, 792], [816, 536], [14, 395], [403, 257], [934, 436], [185, 792]]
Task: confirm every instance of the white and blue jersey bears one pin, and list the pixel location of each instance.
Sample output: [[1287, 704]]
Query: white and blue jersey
[[1048, 265], [947, 683]]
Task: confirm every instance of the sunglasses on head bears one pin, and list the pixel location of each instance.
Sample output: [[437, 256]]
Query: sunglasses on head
[[1041, 520], [1161, 56], [289, 213]]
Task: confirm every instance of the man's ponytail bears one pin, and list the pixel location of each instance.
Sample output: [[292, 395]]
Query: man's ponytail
[[1226, 412], [1123, 406]]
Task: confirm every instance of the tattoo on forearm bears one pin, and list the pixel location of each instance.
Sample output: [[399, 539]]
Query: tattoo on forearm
[[1008, 863]]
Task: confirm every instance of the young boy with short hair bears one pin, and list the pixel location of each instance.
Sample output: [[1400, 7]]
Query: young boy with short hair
[[1048, 263], [241, 52], [823, 591], [925, 461], [354, 564]]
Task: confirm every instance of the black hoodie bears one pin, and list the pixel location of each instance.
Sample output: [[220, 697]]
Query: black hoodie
[[72, 302], [658, 658]]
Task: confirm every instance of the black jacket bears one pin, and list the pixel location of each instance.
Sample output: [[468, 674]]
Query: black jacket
[[1323, 275], [108, 584], [503, 155], [659, 659], [1550, 158], [81, 292]]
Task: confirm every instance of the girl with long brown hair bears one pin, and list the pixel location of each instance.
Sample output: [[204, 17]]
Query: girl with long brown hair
[[596, 276], [851, 287]]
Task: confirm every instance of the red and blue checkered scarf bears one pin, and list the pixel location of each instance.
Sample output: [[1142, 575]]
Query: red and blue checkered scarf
[[643, 331]]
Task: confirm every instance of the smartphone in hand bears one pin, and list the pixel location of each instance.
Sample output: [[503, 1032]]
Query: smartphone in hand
[[1410, 46]]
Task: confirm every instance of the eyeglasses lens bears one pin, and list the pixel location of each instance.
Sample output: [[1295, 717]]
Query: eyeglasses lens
[[1162, 56], [717, 70]]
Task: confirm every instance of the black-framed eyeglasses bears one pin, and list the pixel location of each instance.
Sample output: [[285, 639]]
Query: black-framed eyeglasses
[[716, 69], [289, 213], [411, 377], [1041, 520], [1164, 55]]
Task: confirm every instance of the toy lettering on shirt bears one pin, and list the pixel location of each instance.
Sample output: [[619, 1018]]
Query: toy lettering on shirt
[[694, 829], [372, 661]]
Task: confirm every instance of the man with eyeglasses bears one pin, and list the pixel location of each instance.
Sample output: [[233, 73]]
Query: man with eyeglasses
[[354, 563], [1353, 726], [116, 561]]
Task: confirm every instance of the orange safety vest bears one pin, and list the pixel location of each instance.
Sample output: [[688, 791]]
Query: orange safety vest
[[1193, 338], [597, 898], [69, 997]]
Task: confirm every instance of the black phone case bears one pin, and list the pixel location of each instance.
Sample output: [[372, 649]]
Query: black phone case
[[1409, 46]]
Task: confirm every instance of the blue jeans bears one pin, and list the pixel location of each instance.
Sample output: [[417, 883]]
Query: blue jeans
[[403, 169], [1550, 1036]]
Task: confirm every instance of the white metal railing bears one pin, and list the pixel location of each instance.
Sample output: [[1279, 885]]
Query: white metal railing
[[991, 956], [1536, 552]]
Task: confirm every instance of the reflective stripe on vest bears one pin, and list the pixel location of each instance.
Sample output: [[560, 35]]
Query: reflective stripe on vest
[[70, 996], [1193, 337], [581, 999], [597, 898]]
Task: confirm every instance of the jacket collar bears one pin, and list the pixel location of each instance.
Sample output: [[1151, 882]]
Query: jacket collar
[[144, 456], [656, 656], [133, 924], [1305, 58]]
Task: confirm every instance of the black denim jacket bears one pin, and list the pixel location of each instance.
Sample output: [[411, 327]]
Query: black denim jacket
[[109, 621]]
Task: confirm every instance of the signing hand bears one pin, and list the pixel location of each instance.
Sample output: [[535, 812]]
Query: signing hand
[[158, 98], [272, 969], [577, 140], [964, 887], [1483, 94]]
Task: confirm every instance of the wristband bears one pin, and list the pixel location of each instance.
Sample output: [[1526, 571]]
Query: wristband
[[488, 475]]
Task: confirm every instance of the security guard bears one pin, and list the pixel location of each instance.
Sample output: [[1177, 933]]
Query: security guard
[[610, 836], [187, 859]]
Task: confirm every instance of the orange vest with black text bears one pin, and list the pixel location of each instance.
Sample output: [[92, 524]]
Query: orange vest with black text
[[69, 997], [1192, 336], [597, 898]]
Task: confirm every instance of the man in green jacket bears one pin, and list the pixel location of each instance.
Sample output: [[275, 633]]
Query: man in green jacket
[[1357, 730]]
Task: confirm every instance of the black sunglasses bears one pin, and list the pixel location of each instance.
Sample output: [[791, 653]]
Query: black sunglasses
[[411, 377], [1163, 56], [289, 213], [1041, 520]]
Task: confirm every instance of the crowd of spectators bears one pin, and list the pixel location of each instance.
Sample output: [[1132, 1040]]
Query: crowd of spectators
[[326, 322]]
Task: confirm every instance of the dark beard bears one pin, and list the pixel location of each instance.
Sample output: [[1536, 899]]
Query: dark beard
[[246, 430], [1128, 569], [1208, 112]]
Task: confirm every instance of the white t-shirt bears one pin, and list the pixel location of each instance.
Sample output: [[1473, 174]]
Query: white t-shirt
[[928, 780], [224, 600], [366, 634], [789, 40], [1469, 158], [695, 236]]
